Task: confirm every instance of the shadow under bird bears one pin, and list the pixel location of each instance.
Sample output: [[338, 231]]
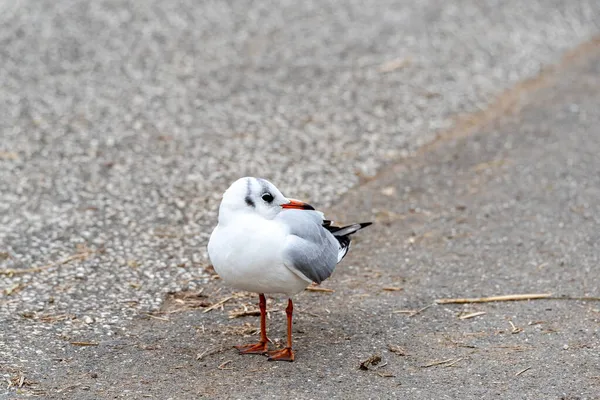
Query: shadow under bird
[[267, 243]]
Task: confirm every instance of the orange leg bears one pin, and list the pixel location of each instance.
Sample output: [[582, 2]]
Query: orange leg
[[286, 354], [260, 347]]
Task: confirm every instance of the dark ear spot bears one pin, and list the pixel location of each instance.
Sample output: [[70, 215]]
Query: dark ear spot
[[248, 199]]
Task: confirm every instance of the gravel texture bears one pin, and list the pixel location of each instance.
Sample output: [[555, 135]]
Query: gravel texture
[[122, 122], [512, 208]]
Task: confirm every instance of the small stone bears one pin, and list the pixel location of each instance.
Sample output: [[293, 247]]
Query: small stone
[[388, 191]]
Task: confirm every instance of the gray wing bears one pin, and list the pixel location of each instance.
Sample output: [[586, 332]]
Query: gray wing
[[310, 249]]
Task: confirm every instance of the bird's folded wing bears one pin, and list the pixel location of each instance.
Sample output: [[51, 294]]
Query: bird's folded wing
[[310, 251]]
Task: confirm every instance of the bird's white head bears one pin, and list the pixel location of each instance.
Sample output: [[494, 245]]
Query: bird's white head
[[256, 195]]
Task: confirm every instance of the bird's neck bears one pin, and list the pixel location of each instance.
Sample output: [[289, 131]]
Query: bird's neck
[[227, 216]]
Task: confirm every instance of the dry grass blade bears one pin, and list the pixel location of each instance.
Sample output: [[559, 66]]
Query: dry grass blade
[[515, 329], [84, 343], [70, 387], [19, 381], [222, 366], [401, 351], [370, 362], [412, 313], [453, 362], [14, 289], [472, 315], [434, 363], [217, 304], [319, 289], [79, 256], [157, 317], [517, 349], [48, 318], [522, 371], [210, 352], [247, 313], [510, 297], [185, 301], [420, 310]]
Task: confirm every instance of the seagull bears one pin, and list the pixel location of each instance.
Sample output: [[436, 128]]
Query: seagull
[[266, 243]]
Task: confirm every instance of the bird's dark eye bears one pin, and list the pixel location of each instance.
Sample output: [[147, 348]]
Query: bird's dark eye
[[267, 197]]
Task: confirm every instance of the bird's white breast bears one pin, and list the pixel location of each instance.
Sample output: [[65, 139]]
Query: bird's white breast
[[248, 255]]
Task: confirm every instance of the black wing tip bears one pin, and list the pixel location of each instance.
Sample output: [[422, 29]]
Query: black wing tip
[[343, 235], [361, 225], [345, 230]]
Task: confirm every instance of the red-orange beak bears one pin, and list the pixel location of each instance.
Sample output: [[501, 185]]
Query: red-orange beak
[[297, 205]]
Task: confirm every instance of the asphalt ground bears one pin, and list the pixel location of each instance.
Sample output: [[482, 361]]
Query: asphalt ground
[[511, 208], [123, 122]]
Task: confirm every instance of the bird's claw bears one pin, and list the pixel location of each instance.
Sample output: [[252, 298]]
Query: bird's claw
[[257, 348], [286, 354]]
